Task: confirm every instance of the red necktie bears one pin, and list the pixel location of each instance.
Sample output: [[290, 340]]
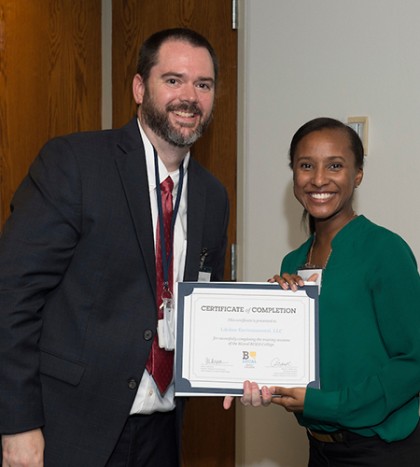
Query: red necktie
[[161, 361]]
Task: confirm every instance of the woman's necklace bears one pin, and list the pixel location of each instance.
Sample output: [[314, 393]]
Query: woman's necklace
[[309, 264]]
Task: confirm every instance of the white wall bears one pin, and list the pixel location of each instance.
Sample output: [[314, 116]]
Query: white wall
[[299, 60]]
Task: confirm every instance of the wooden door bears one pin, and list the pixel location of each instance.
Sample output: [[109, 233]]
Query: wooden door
[[50, 79], [209, 430]]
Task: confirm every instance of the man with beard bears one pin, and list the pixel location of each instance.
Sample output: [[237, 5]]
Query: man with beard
[[86, 275]]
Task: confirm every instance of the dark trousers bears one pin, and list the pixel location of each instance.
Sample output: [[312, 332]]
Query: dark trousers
[[147, 441], [360, 451]]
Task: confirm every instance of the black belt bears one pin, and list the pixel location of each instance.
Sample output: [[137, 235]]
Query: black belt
[[333, 437]]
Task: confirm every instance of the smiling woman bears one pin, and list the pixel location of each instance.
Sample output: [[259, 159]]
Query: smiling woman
[[327, 161], [366, 411]]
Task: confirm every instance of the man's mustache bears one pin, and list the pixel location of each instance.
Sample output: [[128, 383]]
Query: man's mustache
[[190, 107]]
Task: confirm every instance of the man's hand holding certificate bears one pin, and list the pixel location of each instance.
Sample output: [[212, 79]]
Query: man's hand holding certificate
[[231, 332]]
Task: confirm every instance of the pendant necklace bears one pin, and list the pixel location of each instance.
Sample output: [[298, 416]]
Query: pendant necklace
[[309, 264]]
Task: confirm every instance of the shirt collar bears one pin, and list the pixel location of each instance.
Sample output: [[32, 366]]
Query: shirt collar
[[150, 163]]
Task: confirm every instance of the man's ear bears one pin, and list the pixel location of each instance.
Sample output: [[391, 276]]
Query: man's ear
[[138, 89]]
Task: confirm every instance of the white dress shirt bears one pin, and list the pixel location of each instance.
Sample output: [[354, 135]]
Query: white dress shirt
[[148, 398]]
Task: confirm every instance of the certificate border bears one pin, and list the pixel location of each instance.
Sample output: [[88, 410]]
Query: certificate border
[[182, 385]]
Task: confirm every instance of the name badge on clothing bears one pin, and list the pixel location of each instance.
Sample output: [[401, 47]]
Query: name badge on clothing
[[166, 326], [204, 273]]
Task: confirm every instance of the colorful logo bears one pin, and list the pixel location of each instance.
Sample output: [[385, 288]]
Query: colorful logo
[[249, 359]]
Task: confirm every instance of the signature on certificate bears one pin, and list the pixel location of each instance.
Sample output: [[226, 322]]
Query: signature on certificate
[[277, 363], [213, 361]]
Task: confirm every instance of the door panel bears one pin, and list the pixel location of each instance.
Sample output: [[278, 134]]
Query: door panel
[[209, 430], [50, 79]]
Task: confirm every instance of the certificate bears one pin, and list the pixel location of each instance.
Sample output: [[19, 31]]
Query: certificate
[[227, 333]]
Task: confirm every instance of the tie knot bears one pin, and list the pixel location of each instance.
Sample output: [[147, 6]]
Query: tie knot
[[167, 185]]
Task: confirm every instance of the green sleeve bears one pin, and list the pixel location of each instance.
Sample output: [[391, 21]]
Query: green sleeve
[[394, 286]]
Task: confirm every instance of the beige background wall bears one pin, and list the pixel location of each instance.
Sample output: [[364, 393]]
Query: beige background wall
[[303, 59]]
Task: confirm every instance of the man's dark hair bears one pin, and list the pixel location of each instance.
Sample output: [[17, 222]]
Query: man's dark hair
[[149, 51]]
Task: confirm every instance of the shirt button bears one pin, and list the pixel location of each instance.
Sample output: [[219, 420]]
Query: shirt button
[[148, 334], [151, 393], [132, 384]]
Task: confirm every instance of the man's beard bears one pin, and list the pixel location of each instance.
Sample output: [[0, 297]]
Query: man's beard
[[159, 122]]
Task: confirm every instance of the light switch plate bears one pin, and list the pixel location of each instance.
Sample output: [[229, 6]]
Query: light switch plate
[[360, 126]]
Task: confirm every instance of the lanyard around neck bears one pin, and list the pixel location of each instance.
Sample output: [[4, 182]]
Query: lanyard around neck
[[167, 257]]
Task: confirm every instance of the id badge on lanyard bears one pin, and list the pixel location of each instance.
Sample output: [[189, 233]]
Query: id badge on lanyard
[[166, 325]]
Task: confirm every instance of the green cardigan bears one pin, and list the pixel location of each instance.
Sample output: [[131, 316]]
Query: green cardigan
[[369, 321]]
